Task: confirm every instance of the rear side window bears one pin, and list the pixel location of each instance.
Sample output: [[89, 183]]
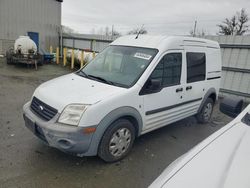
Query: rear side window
[[196, 67], [169, 69]]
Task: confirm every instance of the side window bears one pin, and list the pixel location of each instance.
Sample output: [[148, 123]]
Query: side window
[[169, 69], [196, 67]]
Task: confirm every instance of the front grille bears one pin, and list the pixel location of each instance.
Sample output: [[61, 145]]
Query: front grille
[[43, 110]]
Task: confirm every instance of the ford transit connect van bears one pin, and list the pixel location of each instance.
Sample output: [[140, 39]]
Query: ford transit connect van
[[132, 87]]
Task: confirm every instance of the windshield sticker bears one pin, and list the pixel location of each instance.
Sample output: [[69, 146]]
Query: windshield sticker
[[142, 56]]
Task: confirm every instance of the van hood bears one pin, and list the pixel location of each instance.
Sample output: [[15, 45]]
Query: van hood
[[220, 161], [72, 88]]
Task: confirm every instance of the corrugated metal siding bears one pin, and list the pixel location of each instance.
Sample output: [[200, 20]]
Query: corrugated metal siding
[[87, 42], [81, 44], [6, 44], [17, 17], [99, 46], [235, 81]]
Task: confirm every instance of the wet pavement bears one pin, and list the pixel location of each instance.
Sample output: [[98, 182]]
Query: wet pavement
[[26, 162]]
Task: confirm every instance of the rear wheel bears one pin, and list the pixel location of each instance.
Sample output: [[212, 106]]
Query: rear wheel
[[206, 112], [117, 141]]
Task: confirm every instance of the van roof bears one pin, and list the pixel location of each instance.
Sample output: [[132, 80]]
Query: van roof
[[164, 42]]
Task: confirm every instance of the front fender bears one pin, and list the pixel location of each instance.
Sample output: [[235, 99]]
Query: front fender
[[107, 121]]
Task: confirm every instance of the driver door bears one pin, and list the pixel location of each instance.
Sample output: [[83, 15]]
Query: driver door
[[162, 107]]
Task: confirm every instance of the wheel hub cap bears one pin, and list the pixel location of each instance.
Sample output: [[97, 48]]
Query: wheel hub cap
[[120, 142], [208, 111]]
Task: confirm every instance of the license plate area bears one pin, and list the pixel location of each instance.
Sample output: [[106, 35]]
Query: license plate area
[[29, 123], [39, 133]]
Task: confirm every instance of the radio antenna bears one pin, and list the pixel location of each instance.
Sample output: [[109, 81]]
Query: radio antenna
[[139, 32]]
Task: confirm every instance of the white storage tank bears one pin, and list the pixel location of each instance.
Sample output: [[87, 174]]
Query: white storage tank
[[24, 45]]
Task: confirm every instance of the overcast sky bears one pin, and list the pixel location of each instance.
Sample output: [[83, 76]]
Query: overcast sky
[[159, 16]]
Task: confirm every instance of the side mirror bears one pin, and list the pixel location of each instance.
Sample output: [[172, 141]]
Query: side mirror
[[151, 86], [154, 84], [231, 106]]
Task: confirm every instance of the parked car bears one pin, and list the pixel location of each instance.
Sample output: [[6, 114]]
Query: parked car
[[134, 86], [220, 161]]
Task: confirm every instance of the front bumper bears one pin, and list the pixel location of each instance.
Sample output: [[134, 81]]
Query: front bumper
[[69, 139]]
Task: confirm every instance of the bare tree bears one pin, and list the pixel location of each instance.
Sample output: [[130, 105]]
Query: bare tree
[[67, 30], [136, 30], [116, 33], [243, 19], [107, 32], [236, 25], [199, 33]]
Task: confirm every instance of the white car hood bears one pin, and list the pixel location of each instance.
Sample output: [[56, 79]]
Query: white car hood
[[72, 88], [221, 161]]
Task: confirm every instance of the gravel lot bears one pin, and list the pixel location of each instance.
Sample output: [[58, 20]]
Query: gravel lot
[[26, 162]]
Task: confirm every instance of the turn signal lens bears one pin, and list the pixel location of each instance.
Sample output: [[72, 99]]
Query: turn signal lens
[[89, 130]]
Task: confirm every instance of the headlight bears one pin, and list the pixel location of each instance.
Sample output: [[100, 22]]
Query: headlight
[[72, 114]]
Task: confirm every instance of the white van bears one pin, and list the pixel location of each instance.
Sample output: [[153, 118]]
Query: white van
[[134, 86], [219, 161]]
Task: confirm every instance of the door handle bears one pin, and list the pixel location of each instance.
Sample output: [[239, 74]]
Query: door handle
[[188, 88], [179, 89]]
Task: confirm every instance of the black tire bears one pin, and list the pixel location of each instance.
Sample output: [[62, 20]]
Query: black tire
[[126, 127], [205, 113]]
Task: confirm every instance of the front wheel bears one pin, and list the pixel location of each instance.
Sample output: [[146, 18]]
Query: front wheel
[[206, 112], [117, 141]]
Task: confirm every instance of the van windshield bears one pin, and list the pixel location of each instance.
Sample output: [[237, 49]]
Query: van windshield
[[119, 65]]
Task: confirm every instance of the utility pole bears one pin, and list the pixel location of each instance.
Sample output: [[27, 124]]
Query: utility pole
[[61, 41], [112, 32], [195, 23]]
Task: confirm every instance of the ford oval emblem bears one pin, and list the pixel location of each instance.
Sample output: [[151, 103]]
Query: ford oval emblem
[[41, 108]]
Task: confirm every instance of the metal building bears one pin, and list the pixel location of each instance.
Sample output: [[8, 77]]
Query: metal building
[[40, 19]]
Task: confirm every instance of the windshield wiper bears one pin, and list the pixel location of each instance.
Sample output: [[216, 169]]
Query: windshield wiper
[[101, 79], [83, 74]]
